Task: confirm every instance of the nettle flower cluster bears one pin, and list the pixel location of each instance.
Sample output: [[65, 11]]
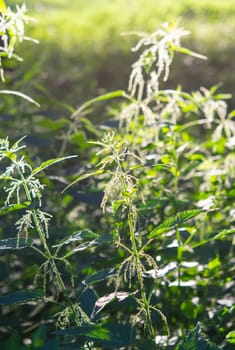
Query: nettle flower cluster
[[22, 188]]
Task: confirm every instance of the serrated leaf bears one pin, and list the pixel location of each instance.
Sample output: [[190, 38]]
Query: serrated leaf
[[50, 162], [79, 236], [100, 276], [171, 222], [224, 234], [186, 215], [104, 239], [98, 241], [110, 335], [194, 341], [21, 297], [15, 243], [14, 207], [105, 300], [159, 231]]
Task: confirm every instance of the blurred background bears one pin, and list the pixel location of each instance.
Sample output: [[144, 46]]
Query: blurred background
[[82, 52]]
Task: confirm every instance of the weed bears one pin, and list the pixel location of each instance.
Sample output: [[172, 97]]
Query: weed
[[165, 173]]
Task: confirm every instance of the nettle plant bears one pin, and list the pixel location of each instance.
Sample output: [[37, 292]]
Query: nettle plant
[[165, 174], [165, 165]]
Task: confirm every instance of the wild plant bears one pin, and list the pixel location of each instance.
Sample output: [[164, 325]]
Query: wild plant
[[154, 158], [24, 190], [162, 184], [23, 193]]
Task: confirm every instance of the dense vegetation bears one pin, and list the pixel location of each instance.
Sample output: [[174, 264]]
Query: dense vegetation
[[117, 222]]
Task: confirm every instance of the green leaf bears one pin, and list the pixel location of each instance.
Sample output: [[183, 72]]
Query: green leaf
[[189, 309], [214, 263], [79, 236], [103, 239], [232, 114], [105, 97], [14, 207], [107, 299], [171, 222], [15, 243], [106, 335], [159, 231], [79, 138], [223, 234], [186, 215], [101, 275], [83, 177], [48, 163], [20, 94], [21, 297], [39, 337], [185, 51], [223, 96], [194, 341], [117, 204], [53, 125], [13, 343], [230, 337]]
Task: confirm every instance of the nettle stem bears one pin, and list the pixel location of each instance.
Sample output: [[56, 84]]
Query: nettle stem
[[179, 256], [146, 306], [136, 254], [47, 254], [41, 233]]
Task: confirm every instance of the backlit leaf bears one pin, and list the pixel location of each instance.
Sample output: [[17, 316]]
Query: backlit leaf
[[223, 234], [103, 239], [106, 335], [171, 222], [83, 177], [101, 275], [20, 94], [231, 337], [50, 162], [186, 51], [105, 97], [85, 234], [15, 243], [105, 300], [21, 297], [14, 207]]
